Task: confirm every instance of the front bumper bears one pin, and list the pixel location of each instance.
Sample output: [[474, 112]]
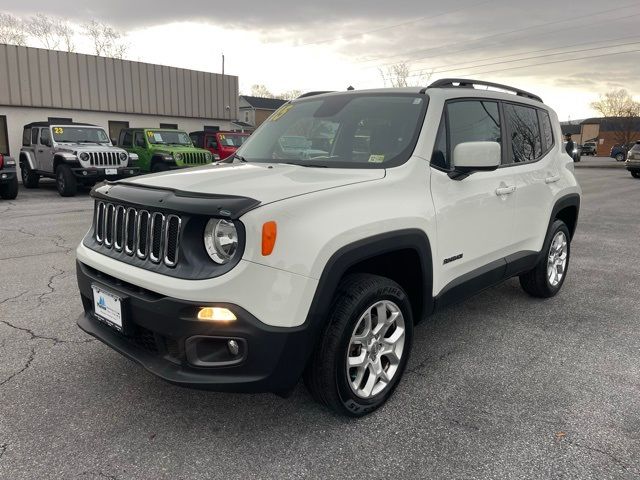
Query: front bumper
[[98, 174], [633, 166], [164, 336]]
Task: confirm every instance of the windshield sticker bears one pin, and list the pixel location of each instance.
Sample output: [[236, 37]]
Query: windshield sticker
[[417, 101], [157, 137], [221, 136], [58, 130], [149, 134], [376, 159], [281, 112]]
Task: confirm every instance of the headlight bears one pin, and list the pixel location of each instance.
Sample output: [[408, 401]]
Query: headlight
[[123, 156], [208, 156], [84, 156], [220, 240], [177, 157]]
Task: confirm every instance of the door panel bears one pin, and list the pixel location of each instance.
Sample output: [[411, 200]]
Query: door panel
[[473, 220], [44, 153]]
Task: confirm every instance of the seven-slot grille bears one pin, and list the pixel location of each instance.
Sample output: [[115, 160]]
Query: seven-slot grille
[[196, 158], [148, 235], [104, 159]]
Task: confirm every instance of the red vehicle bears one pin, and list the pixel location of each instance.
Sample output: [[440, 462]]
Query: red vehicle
[[220, 144]]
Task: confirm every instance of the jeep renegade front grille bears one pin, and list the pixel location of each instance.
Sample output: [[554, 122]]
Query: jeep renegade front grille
[[104, 159], [195, 158], [151, 236]]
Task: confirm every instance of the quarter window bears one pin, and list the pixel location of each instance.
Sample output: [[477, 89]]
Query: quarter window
[[473, 121], [547, 132], [440, 157], [524, 130]]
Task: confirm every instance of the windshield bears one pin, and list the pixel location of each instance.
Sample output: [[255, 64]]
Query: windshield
[[231, 139], [343, 131], [168, 137], [79, 135]]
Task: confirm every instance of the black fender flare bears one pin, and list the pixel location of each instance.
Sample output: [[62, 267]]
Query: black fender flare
[[26, 157], [569, 200]]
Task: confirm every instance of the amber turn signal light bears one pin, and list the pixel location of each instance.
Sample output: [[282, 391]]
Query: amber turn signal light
[[269, 234]]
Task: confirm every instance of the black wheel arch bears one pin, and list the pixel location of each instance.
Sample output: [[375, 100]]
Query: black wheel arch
[[567, 209]]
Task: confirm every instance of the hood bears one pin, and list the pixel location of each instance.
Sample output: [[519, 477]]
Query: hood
[[265, 182], [177, 149], [86, 147]]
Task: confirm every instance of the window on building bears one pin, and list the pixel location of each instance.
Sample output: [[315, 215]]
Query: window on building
[[59, 120], [4, 137], [246, 117], [524, 131], [211, 128], [173, 126], [473, 121], [115, 127]]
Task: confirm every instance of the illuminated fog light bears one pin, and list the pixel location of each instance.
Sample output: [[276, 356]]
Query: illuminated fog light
[[216, 314]]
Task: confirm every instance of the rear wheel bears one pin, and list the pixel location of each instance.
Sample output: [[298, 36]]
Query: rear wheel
[[619, 157], [66, 181], [635, 174], [29, 178], [9, 191], [364, 348], [547, 277]]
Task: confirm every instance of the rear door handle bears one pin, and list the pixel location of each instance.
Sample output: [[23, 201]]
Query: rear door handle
[[40, 151], [505, 190], [553, 179]]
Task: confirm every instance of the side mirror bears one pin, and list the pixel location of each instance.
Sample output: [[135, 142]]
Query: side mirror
[[476, 156]]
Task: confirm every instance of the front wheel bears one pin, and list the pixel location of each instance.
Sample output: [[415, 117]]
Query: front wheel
[[66, 181], [547, 277], [364, 347], [619, 157], [9, 191]]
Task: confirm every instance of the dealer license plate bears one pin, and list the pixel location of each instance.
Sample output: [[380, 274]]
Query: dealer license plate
[[111, 171], [107, 307]]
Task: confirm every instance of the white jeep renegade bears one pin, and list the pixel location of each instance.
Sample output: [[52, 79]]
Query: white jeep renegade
[[345, 219]]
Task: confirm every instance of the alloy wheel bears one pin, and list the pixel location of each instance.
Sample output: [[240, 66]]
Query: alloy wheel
[[557, 260]]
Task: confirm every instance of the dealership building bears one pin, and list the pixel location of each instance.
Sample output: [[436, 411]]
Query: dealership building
[[40, 85]]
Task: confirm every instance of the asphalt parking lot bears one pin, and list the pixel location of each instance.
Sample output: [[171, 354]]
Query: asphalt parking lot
[[502, 386]]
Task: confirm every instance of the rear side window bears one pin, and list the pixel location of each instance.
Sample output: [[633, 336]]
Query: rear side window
[[524, 130], [126, 138], [547, 131], [34, 135], [26, 137]]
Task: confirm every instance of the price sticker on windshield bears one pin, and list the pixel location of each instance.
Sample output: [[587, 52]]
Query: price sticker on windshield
[[58, 130], [281, 112], [376, 159], [149, 134]]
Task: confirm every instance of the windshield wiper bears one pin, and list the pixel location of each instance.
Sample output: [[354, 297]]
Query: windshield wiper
[[240, 157], [309, 165]]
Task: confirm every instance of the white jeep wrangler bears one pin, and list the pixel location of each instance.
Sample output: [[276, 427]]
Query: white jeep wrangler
[[319, 261]]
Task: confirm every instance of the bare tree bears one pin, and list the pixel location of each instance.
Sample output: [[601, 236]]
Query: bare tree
[[259, 90], [44, 29], [400, 75], [290, 94], [11, 30], [625, 110], [67, 32], [107, 41]]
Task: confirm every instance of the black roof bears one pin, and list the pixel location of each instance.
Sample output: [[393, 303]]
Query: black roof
[[612, 124], [572, 129], [264, 103], [48, 124]]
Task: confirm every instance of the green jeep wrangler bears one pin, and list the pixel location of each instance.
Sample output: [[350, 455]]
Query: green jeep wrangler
[[161, 149]]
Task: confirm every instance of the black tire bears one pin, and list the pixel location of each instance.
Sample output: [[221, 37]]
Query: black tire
[[536, 281], [9, 191], [326, 375], [619, 157], [159, 167], [635, 174], [29, 178], [65, 181]]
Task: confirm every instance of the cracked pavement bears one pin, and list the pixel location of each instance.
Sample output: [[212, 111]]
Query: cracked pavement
[[501, 386]]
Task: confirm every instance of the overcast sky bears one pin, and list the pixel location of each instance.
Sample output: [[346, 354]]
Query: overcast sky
[[326, 45]]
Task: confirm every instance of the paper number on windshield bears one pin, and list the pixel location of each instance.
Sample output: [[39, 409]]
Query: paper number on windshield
[[58, 131], [281, 112], [221, 136], [149, 134]]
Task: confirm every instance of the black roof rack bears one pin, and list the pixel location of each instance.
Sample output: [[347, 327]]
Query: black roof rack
[[468, 83], [311, 94]]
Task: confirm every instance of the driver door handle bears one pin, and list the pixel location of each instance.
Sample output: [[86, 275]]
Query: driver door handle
[[505, 190]]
